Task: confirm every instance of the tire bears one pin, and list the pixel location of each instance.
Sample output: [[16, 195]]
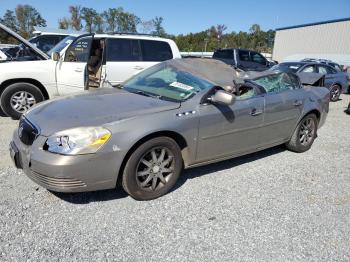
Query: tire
[[335, 92], [21, 96], [298, 143], [142, 169]]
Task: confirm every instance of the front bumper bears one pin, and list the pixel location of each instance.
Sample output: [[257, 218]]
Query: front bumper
[[62, 173]]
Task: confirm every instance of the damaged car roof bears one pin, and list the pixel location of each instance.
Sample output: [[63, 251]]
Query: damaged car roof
[[222, 74]]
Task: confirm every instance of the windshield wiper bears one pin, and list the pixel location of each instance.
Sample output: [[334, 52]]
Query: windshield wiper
[[148, 94]]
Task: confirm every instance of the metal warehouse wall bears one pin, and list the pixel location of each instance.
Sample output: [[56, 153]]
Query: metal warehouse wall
[[331, 38]]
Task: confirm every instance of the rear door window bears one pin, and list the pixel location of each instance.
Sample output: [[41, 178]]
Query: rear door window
[[123, 50], [155, 51]]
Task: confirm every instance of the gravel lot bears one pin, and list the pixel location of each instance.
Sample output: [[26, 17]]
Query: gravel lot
[[269, 206]]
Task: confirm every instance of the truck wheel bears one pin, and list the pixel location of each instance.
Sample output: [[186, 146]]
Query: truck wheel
[[304, 135], [153, 169], [18, 98]]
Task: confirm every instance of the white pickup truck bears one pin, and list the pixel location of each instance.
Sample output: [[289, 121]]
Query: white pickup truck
[[89, 61]]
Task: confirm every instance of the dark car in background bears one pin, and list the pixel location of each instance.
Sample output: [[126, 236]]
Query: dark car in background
[[244, 59], [335, 81]]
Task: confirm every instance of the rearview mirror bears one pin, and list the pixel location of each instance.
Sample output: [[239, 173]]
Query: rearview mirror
[[223, 98], [55, 56]]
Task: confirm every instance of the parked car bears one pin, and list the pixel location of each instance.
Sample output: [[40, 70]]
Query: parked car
[[179, 113], [247, 60], [90, 61], [335, 65], [335, 81], [47, 41]]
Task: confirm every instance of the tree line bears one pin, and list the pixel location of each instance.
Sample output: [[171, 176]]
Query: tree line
[[24, 18]]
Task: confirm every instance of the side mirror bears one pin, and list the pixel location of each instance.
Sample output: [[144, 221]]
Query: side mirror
[[222, 98], [55, 56]]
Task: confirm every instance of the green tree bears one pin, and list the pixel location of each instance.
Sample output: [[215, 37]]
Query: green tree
[[111, 17], [28, 17], [158, 26], [9, 19], [99, 23], [88, 15], [128, 22]]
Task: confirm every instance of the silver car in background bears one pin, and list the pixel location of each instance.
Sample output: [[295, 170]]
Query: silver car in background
[[178, 114]]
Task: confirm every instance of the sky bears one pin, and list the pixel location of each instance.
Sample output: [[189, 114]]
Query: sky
[[185, 16]]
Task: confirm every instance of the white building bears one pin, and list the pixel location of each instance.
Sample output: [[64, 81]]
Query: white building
[[327, 40]]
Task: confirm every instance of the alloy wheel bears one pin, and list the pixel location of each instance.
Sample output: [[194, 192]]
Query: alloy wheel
[[307, 131], [155, 169], [22, 101]]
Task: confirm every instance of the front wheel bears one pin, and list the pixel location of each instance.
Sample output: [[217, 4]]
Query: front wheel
[[152, 169], [335, 93], [304, 135], [18, 98]]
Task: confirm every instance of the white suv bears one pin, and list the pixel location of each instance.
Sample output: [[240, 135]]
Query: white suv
[[90, 61]]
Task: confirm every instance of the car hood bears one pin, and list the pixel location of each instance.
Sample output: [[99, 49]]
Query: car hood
[[24, 42], [93, 108]]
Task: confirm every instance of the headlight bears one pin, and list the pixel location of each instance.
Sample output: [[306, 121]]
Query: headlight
[[78, 141]]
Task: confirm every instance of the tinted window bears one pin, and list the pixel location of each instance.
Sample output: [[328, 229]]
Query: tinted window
[[309, 69], [257, 58], [79, 51], [123, 50], [155, 50], [278, 82], [223, 54], [244, 55]]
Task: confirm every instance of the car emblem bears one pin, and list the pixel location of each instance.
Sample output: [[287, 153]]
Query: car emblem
[[20, 131]]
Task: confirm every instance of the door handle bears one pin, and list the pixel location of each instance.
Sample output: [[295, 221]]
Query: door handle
[[138, 68], [78, 70], [255, 112], [298, 103]]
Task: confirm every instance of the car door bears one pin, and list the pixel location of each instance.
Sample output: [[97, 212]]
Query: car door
[[230, 130], [123, 59], [284, 102], [71, 68]]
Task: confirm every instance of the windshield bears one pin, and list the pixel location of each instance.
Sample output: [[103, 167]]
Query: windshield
[[62, 44], [166, 82]]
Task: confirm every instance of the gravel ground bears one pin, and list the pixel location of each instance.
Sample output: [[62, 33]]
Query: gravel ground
[[269, 206]]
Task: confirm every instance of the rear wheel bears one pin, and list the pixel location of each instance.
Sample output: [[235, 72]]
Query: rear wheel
[[153, 169], [335, 92], [18, 98], [304, 135]]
